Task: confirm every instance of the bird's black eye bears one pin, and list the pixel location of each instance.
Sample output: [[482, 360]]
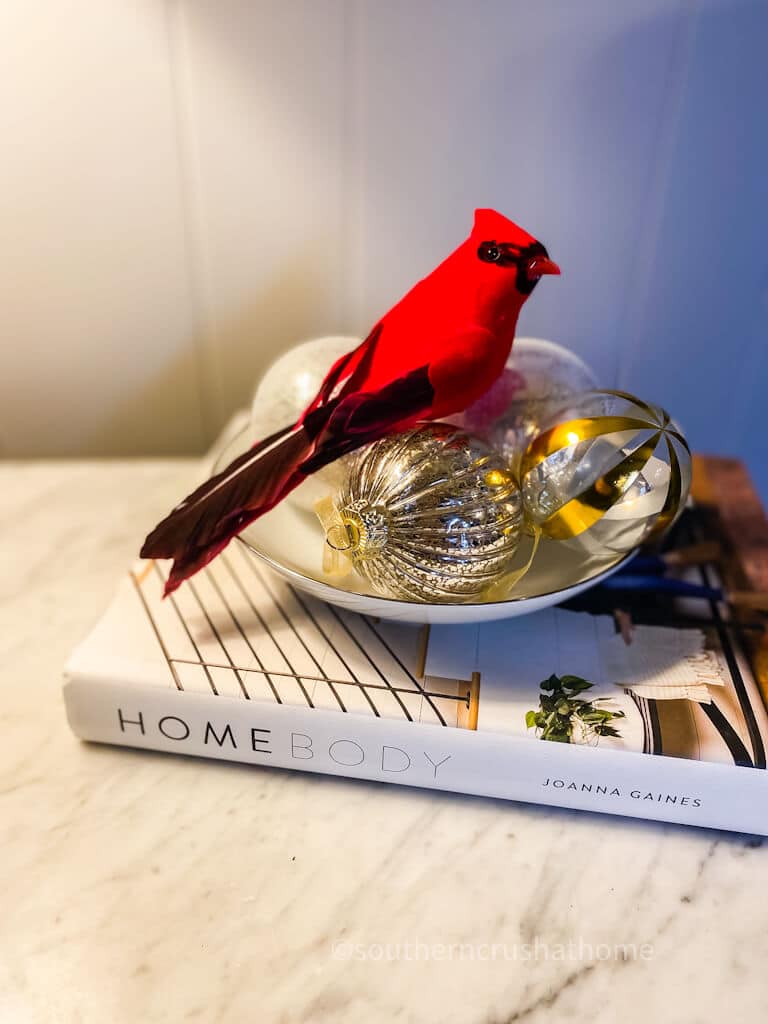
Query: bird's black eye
[[489, 252]]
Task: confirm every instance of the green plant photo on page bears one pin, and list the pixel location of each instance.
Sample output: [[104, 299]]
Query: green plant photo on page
[[563, 715]]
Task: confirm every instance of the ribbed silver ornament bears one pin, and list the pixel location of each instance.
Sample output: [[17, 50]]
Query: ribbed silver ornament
[[431, 515]]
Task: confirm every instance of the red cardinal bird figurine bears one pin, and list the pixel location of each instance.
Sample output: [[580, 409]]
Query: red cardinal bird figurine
[[435, 352]]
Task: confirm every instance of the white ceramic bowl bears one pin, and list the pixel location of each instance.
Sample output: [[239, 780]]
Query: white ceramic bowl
[[290, 541]]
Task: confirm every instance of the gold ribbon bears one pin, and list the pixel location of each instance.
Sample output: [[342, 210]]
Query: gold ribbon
[[337, 557]]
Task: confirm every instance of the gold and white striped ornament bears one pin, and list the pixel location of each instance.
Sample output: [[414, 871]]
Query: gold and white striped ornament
[[610, 471]]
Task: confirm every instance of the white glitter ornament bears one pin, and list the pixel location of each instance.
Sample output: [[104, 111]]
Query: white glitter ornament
[[284, 392], [293, 380]]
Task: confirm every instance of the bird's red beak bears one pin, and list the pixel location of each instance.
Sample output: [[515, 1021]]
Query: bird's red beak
[[540, 265]]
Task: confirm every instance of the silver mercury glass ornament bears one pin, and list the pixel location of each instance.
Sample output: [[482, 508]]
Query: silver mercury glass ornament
[[431, 515]]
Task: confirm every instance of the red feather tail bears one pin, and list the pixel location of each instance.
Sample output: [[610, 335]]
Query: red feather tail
[[207, 520]]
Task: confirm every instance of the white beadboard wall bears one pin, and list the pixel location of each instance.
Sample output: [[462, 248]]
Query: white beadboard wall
[[190, 186]]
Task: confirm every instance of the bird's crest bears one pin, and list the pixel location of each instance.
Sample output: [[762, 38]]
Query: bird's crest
[[492, 225]]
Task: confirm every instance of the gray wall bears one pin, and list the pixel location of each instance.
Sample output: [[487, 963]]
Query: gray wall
[[189, 187]]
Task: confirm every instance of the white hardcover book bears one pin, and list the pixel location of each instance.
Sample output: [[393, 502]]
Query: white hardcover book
[[552, 708]]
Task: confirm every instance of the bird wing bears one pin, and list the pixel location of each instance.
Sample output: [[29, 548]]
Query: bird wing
[[364, 416], [347, 372], [459, 372], [465, 364]]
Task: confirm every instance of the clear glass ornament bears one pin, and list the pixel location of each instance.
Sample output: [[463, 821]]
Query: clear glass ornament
[[607, 472], [539, 376], [431, 515]]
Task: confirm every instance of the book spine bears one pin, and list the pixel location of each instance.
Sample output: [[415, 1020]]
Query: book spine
[[427, 756]]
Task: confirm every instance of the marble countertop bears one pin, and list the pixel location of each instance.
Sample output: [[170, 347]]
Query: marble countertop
[[141, 887]]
